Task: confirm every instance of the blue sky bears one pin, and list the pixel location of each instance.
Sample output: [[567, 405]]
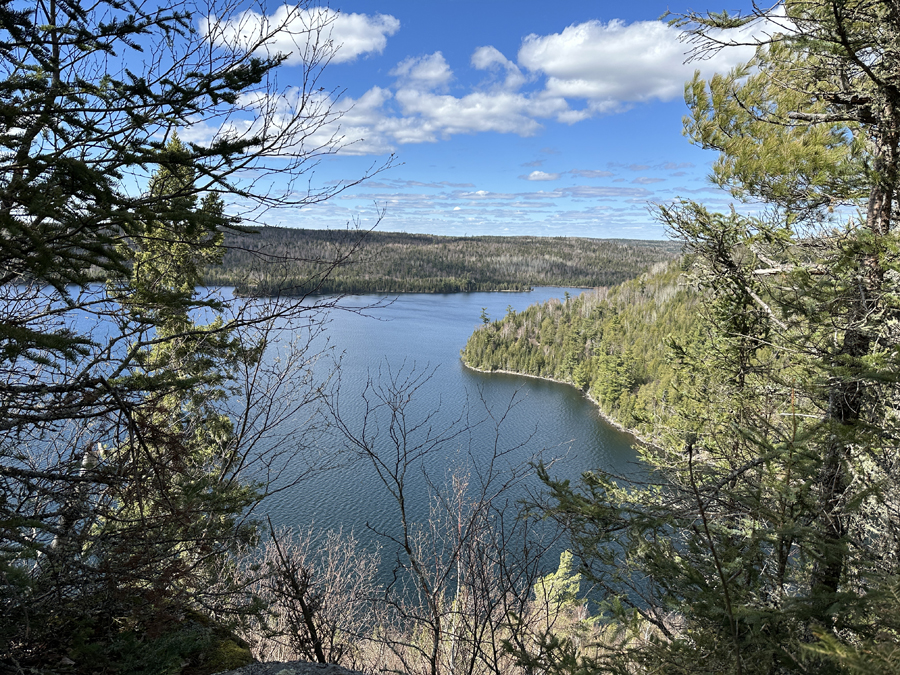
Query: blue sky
[[508, 117]]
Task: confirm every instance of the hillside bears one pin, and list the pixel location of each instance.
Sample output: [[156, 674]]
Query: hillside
[[296, 262], [610, 342]]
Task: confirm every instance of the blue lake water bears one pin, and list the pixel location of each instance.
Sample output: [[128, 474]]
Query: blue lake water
[[419, 333]]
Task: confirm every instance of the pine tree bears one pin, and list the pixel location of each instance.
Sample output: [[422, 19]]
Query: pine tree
[[774, 529]]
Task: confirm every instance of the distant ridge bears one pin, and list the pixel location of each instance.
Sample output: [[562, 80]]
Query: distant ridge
[[291, 261]]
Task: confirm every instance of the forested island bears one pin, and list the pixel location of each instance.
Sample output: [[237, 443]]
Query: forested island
[[289, 261]]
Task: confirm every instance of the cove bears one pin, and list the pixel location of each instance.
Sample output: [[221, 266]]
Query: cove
[[423, 333]]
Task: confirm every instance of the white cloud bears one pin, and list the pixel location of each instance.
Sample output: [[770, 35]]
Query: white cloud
[[574, 207], [541, 175], [299, 123], [297, 32], [590, 192], [490, 58], [370, 125], [503, 112], [611, 65], [417, 112], [486, 57], [361, 125], [362, 34], [426, 72], [585, 70], [200, 132]]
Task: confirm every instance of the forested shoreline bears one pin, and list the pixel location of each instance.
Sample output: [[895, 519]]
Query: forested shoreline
[[612, 343], [137, 442], [289, 261]]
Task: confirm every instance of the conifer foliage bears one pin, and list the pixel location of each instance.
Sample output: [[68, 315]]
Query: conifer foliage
[[770, 544], [136, 411], [613, 343]]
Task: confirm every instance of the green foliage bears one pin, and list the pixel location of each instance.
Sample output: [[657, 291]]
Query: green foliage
[[807, 166], [188, 442], [560, 588], [190, 642], [612, 343], [879, 653], [767, 542]]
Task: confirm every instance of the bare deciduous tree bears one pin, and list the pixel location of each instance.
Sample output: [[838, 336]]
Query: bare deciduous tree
[[463, 581], [141, 418]]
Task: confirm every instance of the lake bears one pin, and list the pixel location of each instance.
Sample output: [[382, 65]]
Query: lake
[[423, 333]]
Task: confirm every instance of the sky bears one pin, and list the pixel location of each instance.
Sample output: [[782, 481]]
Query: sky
[[505, 118]]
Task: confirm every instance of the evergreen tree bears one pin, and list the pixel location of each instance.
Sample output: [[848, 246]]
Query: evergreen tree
[[126, 428], [178, 514], [770, 543]]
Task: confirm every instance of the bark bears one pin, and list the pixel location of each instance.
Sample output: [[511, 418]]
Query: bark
[[845, 400]]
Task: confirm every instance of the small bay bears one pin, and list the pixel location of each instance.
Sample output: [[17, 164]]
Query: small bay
[[419, 337]]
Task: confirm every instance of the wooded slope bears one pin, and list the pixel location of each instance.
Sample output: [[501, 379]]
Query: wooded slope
[[295, 262], [611, 342]]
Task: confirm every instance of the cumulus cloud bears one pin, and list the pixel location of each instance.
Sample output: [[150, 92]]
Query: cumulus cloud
[[504, 112], [611, 65], [359, 126], [370, 125], [585, 70], [417, 110], [490, 58], [362, 34], [425, 117], [297, 32], [486, 57], [426, 72], [541, 175]]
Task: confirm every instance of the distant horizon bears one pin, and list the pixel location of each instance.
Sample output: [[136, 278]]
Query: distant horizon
[[506, 118], [379, 230]]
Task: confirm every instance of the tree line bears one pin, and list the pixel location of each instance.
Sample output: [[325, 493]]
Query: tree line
[[141, 419], [614, 343], [291, 261]]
